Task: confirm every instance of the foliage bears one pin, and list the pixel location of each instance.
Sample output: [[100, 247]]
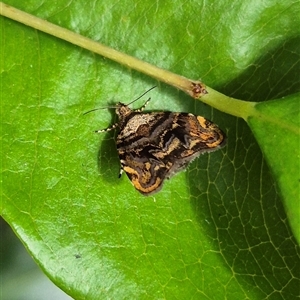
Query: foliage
[[216, 231]]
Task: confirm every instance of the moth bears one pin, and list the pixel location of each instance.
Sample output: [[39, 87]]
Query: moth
[[154, 146]]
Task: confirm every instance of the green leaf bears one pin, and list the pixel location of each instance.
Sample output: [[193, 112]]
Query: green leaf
[[276, 126], [218, 230]]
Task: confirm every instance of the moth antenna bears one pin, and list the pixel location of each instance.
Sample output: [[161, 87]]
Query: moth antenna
[[142, 95], [98, 108]]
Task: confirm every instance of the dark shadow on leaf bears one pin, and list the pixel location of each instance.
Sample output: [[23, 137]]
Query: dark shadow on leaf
[[233, 193], [272, 76], [242, 213], [107, 159]]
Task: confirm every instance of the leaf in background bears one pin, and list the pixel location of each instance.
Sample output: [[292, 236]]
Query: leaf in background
[[219, 229]]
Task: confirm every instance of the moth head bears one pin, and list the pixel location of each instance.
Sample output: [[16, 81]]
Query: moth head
[[122, 110]]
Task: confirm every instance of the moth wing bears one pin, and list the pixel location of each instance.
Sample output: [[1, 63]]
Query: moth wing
[[158, 151], [145, 172]]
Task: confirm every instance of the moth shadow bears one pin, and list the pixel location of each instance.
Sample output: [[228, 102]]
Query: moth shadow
[[107, 158]]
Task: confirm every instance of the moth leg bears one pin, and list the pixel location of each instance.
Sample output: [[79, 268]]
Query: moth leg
[[121, 169], [112, 127], [121, 172], [142, 107]]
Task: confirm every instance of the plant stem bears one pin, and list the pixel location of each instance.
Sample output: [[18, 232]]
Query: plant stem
[[193, 88]]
